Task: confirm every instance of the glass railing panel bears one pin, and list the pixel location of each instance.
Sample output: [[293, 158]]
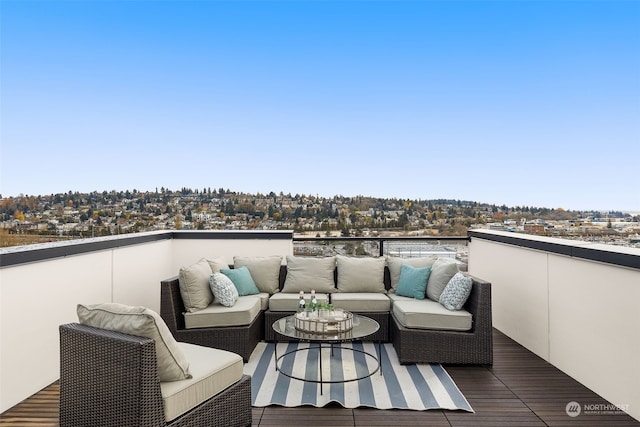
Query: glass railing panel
[[450, 247]]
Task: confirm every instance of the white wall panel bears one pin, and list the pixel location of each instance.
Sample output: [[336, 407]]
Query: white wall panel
[[36, 299], [519, 291], [580, 315], [594, 324], [137, 272]]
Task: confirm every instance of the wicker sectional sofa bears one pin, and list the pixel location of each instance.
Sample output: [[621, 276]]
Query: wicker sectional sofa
[[419, 342]]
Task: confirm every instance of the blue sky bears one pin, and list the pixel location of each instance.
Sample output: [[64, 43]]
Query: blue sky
[[532, 103]]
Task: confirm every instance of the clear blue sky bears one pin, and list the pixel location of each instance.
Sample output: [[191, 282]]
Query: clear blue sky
[[532, 103]]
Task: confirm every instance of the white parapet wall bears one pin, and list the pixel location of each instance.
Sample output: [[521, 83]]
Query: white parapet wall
[[188, 248], [39, 295], [579, 314]]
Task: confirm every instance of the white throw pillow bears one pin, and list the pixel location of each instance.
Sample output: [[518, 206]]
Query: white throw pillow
[[456, 293], [194, 286], [224, 291], [265, 271], [360, 274], [142, 322], [306, 274]]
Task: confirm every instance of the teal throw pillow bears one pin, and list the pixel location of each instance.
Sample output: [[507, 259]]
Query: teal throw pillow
[[413, 281], [242, 280], [456, 293]]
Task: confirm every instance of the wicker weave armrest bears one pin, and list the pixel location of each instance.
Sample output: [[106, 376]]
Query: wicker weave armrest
[[171, 305], [110, 376], [479, 305]]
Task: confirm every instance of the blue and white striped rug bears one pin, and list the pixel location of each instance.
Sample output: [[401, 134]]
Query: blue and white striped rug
[[416, 386]]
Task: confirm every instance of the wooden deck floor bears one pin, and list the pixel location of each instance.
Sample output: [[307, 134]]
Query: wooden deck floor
[[520, 389]]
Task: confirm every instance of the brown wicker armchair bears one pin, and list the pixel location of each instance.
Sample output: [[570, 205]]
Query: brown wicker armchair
[[456, 347], [111, 379]]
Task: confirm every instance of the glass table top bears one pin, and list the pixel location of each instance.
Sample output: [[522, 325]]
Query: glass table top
[[362, 328]]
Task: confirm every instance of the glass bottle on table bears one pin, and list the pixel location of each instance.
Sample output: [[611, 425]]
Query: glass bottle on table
[[314, 301], [302, 305]]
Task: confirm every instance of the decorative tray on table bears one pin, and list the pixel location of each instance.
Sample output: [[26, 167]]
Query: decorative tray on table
[[324, 322]]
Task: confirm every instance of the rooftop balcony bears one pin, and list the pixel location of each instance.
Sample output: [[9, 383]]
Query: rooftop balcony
[[564, 312]]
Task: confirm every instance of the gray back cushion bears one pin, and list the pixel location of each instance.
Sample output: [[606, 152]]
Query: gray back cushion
[[305, 274], [265, 271], [194, 286], [441, 272], [360, 274]]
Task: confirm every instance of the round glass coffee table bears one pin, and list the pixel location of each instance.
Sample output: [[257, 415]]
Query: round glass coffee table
[[363, 327]]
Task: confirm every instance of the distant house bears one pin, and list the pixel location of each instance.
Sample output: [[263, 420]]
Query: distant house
[[534, 228]]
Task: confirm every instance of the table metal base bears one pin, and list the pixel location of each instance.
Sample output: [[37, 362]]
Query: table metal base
[[319, 348]]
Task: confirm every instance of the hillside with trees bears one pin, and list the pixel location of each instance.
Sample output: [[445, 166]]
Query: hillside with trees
[[30, 219]]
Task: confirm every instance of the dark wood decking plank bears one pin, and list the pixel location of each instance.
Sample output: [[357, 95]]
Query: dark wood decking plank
[[256, 416], [394, 417], [307, 415]]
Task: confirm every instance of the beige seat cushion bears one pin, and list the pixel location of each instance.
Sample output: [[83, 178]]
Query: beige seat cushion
[[427, 314], [240, 314], [361, 301], [289, 302], [264, 300], [396, 297], [213, 370]]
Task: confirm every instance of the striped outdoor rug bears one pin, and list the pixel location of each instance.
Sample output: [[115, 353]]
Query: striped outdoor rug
[[416, 386]]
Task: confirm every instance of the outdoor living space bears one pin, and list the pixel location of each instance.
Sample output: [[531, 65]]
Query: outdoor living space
[[520, 389], [553, 363]]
